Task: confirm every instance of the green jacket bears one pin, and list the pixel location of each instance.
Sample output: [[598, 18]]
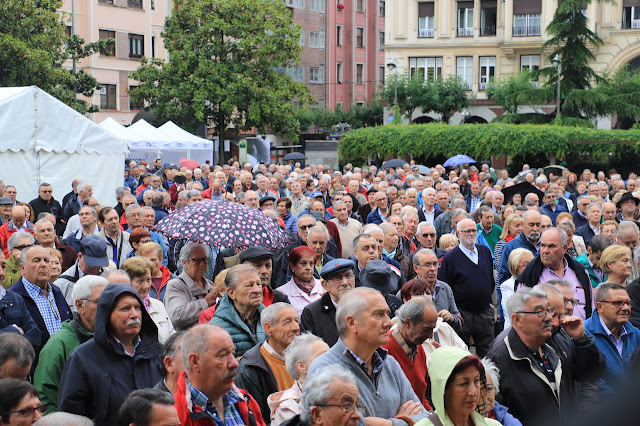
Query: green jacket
[[227, 317], [53, 357], [595, 281], [12, 272]]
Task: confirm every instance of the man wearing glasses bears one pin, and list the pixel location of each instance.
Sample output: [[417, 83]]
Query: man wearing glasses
[[46, 203], [615, 336]]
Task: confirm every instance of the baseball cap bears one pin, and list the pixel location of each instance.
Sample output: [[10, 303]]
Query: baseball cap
[[94, 250]]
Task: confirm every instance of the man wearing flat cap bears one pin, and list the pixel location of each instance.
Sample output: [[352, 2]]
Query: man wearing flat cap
[[262, 259], [319, 317], [268, 202]]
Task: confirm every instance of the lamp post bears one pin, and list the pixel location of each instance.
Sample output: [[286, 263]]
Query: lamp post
[[557, 62], [392, 66]]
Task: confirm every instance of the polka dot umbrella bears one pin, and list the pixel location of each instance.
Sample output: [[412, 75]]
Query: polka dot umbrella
[[223, 223]]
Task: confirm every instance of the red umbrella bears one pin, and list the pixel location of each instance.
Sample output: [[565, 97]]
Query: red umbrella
[[189, 163]]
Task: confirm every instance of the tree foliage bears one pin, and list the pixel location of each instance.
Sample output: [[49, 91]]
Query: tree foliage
[[358, 116], [226, 67], [514, 91], [34, 47]]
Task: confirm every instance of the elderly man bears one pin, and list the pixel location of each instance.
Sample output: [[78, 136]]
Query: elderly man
[[534, 384], [239, 310], [407, 240], [5, 210], [45, 302], [14, 316], [363, 325], [206, 393], [443, 222], [299, 201], [529, 238], [629, 235], [72, 334], [473, 199], [550, 207], [45, 203], [262, 259], [318, 317], [125, 343], [348, 228], [46, 237], [553, 263], [72, 207], [148, 407], [117, 241], [489, 231], [429, 212], [88, 219], [580, 214], [468, 269], [391, 247], [16, 356], [19, 222], [592, 228], [17, 242], [91, 260], [134, 217], [416, 320], [427, 238], [317, 239], [189, 294], [381, 211], [615, 336], [262, 369]]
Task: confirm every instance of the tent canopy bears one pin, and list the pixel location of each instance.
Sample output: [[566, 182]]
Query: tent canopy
[[44, 140]]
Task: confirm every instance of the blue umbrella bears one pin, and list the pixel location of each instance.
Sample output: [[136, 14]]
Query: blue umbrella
[[423, 170], [458, 160]]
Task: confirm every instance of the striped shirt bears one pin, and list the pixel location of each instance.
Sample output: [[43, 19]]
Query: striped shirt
[[46, 305]]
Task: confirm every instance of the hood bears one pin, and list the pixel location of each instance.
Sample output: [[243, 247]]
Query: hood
[[148, 330], [441, 364]]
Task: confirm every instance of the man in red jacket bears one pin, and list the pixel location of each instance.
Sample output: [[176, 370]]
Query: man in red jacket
[[416, 320], [206, 393]]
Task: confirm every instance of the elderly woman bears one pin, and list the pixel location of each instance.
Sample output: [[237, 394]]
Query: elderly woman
[[139, 270], [161, 275], [610, 229], [615, 263], [575, 243], [190, 293], [56, 264], [283, 207], [297, 357], [493, 408], [518, 261], [302, 288], [511, 229], [19, 403], [457, 388], [137, 237]]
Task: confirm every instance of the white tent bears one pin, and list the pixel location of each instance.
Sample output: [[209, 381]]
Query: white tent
[[44, 140]]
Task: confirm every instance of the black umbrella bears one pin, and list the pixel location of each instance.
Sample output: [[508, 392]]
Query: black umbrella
[[522, 188], [293, 156], [392, 164], [556, 170]]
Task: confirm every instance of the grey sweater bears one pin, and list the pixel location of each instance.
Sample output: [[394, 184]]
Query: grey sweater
[[383, 400]]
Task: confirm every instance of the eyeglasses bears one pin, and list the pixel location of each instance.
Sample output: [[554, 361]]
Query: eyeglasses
[[91, 300], [199, 261], [429, 235], [469, 231], [339, 278], [346, 407], [572, 301], [46, 192], [28, 412], [619, 303], [304, 227], [541, 313], [430, 264], [23, 246]]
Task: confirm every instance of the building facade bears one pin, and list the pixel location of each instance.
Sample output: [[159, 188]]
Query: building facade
[[484, 39], [135, 25]]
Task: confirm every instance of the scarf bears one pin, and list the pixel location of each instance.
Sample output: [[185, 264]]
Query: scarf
[[146, 302], [304, 286], [389, 255]]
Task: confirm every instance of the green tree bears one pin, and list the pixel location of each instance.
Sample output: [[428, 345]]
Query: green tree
[[449, 96], [34, 47], [226, 67], [512, 91], [413, 93]]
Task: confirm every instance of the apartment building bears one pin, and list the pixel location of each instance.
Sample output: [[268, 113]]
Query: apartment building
[[135, 25], [484, 39], [343, 58]]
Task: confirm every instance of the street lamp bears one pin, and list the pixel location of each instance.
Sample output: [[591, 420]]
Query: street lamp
[[392, 66], [556, 61]]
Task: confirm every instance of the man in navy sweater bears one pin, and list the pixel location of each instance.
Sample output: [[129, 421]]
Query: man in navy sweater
[[469, 272]]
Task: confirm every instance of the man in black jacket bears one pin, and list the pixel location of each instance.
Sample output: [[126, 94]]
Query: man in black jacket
[[124, 355], [262, 370], [45, 203], [319, 317]]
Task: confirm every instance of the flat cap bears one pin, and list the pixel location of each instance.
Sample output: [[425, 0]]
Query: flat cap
[[255, 253], [336, 265]]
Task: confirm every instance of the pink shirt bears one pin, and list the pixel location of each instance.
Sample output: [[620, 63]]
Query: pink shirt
[[298, 298], [569, 275]]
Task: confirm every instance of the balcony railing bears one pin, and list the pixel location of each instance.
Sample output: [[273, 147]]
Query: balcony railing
[[526, 31], [483, 86], [635, 24], [489, 30], [465, 32], [425, 33]]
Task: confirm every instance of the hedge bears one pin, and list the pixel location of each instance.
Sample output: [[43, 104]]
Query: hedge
[[482, 141]]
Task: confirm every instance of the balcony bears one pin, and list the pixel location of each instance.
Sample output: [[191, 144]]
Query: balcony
[[483, 86], [425, 33], [465, 32], [635, 24], [532, 30], [489, 30]]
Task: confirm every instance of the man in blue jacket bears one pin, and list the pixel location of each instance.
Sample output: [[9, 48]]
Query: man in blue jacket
[[615, 336], [529, 238]]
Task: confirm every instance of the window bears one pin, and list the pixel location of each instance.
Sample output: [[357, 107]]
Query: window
[[359, 37], [68, 30], [295, 3], [531, 63], [301, 41], [339, 72], [488, 19], [108, 96], [381, 40], [134, 4], [428, 68], [296, 72], [464, 70], [381, 72], [526, 25], [136, 46], [316, 74], [153, 4], [153, 46], [339, 35], [133, 106], [316, 39], [487, 70], [317, 5], [465, 19], [105, 34], [383, 7], [425, 20], [359, 73], [360, 5], [105, 1], [631, 17]]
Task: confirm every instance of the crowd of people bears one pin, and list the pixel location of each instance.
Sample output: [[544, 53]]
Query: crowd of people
[[438, 298]]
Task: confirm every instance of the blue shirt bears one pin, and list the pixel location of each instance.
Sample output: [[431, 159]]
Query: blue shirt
[[472, 255], [618, 343], [232, 416], [46, 305]]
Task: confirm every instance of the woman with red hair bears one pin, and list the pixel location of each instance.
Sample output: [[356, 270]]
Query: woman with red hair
[[303, 288]]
